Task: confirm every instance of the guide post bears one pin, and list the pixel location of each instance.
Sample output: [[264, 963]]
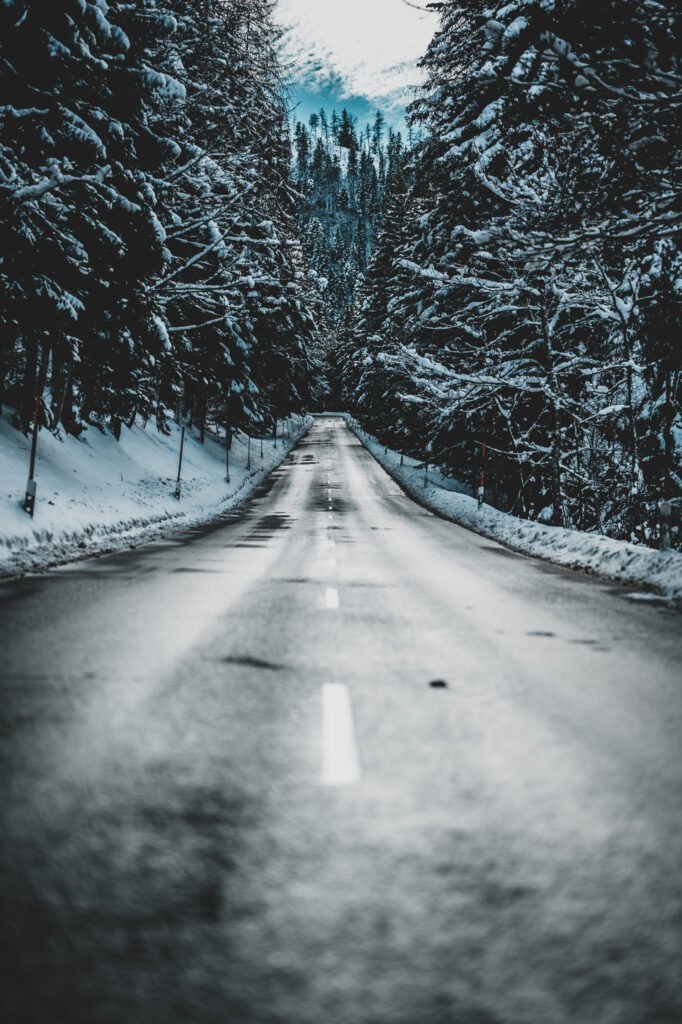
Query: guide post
[[481, 489], [178, 485], [31, 486]]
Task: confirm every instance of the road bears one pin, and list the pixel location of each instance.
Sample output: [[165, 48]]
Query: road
[[232, 795]]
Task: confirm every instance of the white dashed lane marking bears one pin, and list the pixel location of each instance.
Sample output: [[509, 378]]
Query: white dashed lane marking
[[341, 763], [331, 599]]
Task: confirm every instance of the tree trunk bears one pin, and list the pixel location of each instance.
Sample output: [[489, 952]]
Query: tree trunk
[[29, 384], [558, 503], [202, 417], [668, 437], [631, 516], [3, 372], [59, 398], [57, 382], [579, 472], [72, 425]]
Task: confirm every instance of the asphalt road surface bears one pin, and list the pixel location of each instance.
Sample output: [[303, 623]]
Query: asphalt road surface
[[231, 795]]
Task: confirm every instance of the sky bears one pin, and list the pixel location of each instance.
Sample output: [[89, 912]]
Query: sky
[[360, 54]]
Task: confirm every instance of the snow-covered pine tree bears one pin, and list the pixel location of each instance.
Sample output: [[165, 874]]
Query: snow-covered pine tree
[[344, 190], [546, 176], [80, 237], [146, 211], [236, 294]]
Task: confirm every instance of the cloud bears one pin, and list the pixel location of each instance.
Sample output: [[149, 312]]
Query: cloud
[[364, 48]]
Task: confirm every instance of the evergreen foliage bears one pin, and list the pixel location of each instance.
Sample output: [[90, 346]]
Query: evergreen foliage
[[346, 181], [529, 291], [148, 246]]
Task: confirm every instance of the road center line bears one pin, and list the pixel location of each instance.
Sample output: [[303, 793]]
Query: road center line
[[332, 599], [341, 764]]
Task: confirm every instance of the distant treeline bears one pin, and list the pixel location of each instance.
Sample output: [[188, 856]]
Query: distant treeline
[[345, 180]]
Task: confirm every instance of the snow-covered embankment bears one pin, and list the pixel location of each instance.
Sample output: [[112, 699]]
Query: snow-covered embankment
[[96, 494], [658, 571]]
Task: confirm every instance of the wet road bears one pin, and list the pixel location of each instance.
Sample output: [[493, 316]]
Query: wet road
[[230, 794]]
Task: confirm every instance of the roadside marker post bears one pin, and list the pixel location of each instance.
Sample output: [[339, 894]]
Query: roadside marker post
[[31, 486], [30, 497], [178, 485], [481, 489]]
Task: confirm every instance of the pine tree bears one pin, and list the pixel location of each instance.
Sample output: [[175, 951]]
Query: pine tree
[[543, 192], [148, 213], [347, 136], [80, 236]]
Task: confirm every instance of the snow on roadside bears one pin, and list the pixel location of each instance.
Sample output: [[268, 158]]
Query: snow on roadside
[[96, 494], [660, 571]]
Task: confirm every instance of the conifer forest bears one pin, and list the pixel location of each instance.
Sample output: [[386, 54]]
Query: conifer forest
[[505, 272], [148, 224], [340, 511], [524, 292]]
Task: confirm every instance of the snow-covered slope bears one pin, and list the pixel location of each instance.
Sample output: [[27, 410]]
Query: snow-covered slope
[[95, 493], [660, 571]]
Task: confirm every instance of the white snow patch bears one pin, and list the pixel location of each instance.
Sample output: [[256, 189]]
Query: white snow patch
[[96, 494], [592, 552]]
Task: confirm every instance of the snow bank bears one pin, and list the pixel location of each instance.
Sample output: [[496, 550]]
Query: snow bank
[[96, 494], [660, 571]]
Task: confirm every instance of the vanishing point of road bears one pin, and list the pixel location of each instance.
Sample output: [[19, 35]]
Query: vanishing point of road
[[231, 793]]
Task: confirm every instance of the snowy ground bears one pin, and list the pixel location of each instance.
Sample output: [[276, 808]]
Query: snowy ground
[[96, 494], [657, 571]]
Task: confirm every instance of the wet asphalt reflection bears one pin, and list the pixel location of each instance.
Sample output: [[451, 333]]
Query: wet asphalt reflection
[[332, 760]]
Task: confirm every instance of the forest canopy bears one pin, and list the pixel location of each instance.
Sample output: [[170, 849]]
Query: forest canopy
[[148, 247], [524, 294]]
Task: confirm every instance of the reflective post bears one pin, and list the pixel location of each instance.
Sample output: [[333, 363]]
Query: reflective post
[[178, 485], [31, 486], [481, 489]]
